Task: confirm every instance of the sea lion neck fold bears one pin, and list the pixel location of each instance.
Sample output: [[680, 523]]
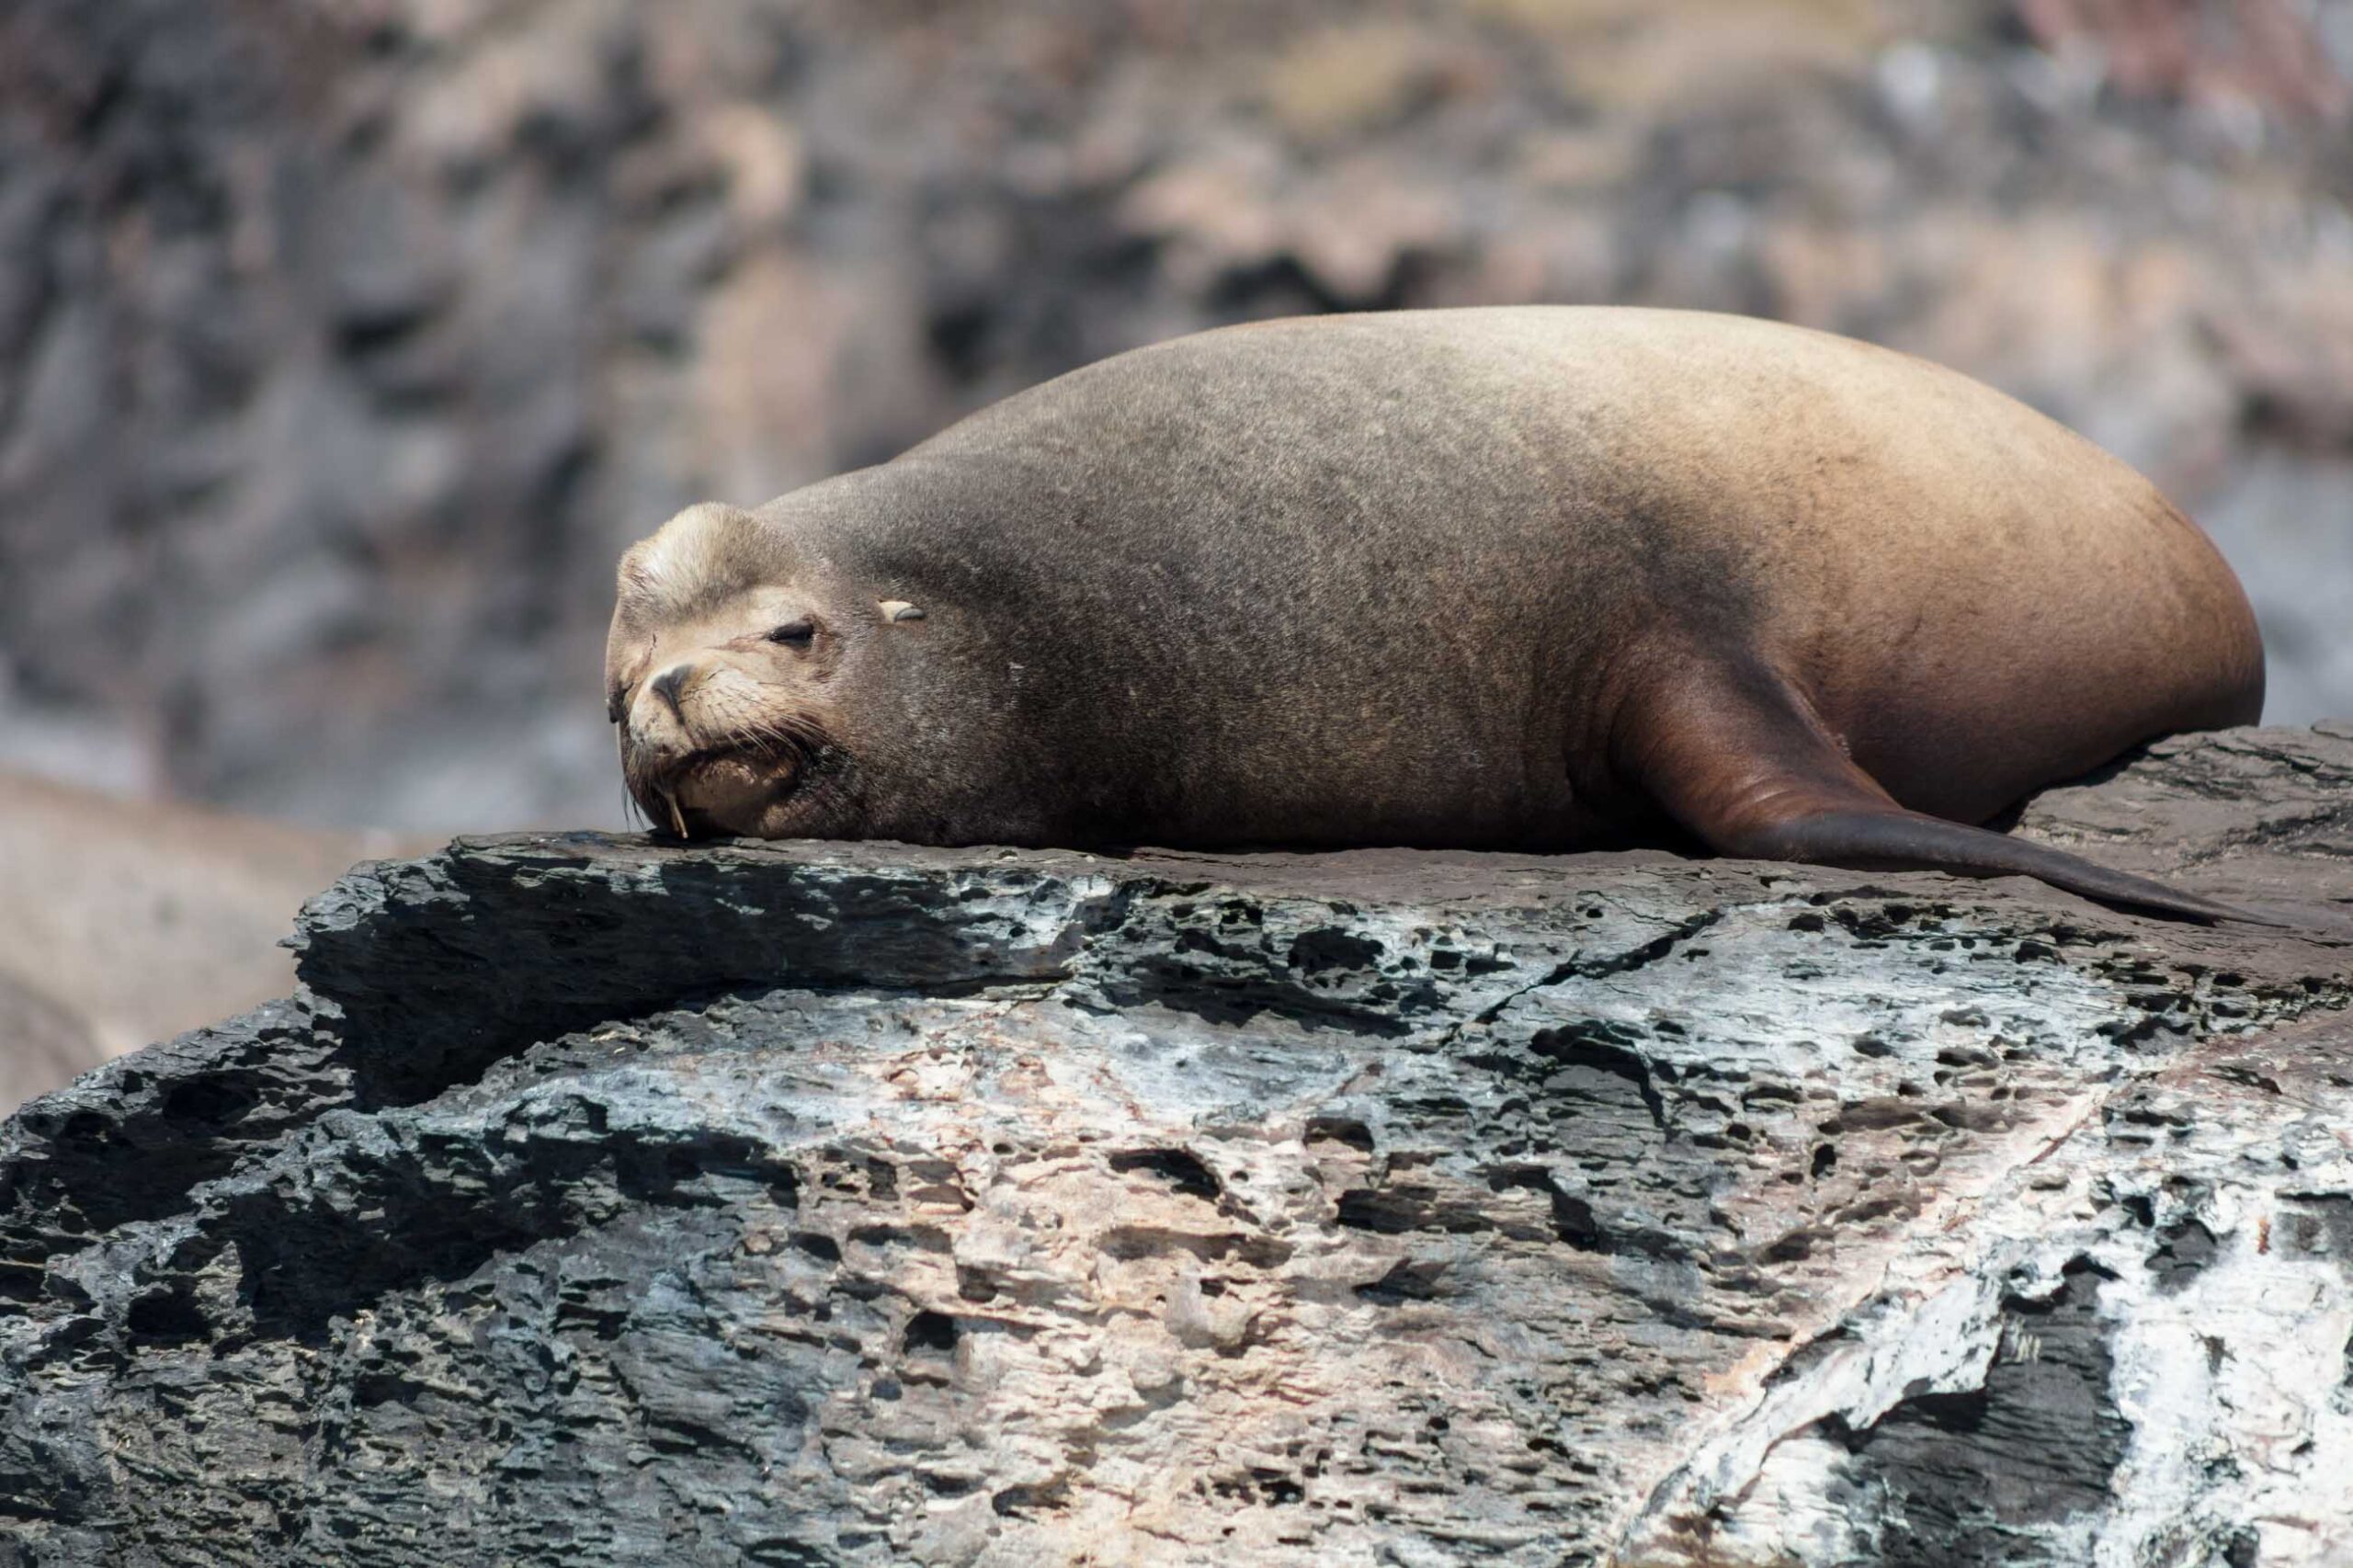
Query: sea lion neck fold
[[1528, 578]]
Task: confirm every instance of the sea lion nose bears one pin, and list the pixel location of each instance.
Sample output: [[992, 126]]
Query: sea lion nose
[[670, 686]]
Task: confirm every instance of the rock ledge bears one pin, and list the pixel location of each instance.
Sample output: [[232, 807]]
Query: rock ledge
[[599, 1201]]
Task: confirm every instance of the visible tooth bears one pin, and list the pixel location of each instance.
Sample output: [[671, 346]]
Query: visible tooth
[[677, 817]]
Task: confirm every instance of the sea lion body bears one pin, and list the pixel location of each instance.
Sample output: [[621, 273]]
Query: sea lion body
[[1530, 578]]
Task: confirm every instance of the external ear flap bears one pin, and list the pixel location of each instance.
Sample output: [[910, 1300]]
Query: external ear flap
[[899, 610]]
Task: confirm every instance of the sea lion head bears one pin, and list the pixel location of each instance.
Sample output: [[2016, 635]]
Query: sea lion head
[[723, 675]]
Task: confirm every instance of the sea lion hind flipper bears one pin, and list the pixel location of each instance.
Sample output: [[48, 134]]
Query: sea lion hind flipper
[[1881, 840], [1739, 758]]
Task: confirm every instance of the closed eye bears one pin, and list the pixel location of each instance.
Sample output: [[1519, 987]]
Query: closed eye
[[795, 633]]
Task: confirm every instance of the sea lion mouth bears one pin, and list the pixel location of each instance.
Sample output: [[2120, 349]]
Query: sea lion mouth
[[722, 789]]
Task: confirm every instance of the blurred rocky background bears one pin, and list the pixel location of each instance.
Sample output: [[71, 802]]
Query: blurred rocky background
[[343, 345]]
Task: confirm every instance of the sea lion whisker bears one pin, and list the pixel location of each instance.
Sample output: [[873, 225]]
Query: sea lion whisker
[[790, 734], [630, 812]]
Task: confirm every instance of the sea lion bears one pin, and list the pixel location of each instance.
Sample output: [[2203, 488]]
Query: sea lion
[[1531, 578]]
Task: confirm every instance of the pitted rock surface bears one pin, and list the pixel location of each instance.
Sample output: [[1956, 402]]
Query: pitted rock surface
[[603, 1200]]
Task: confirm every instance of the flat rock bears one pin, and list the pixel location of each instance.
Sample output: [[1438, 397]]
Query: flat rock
[[598, 1201]]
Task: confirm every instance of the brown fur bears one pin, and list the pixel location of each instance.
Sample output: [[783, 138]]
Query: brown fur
[[1518, 577]]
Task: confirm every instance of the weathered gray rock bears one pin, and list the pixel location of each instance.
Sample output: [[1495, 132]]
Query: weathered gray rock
[[599, 1201]]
